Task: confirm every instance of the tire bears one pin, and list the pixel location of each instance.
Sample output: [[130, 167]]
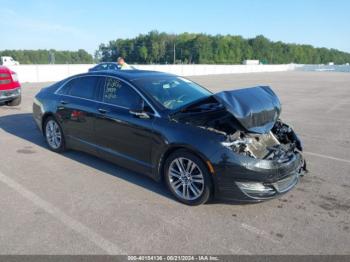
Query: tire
[[15, 102], [192, 185], [54, 136]]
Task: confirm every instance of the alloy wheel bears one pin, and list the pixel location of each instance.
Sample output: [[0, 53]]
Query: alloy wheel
[[186, 178], [53, 134]]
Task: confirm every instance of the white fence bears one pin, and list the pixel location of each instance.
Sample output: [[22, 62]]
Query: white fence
[[49, 73]]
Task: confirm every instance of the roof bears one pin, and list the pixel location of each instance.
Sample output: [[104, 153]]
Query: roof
[[131, 75], [107, 63]]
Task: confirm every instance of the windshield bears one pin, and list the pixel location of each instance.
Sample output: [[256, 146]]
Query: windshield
[[172, 92]]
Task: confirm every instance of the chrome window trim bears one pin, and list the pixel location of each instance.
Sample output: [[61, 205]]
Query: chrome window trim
[[156, 114], [91, 100]]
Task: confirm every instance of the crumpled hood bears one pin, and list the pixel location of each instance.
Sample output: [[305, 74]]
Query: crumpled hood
[[256, 109]]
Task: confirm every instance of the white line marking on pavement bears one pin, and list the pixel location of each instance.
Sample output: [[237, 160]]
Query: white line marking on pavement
[[328, 157], [259, 232], [75, 225], [343, 102], [239, 251]]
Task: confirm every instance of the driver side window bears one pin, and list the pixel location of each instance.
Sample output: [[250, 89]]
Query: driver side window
[[117, 92]]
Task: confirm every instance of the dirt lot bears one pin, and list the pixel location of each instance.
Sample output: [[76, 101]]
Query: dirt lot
[[77, 204]]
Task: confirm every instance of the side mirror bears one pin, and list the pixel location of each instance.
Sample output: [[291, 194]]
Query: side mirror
[[138, 109]]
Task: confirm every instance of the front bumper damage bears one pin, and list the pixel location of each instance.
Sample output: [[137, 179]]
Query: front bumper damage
[[252, 180]]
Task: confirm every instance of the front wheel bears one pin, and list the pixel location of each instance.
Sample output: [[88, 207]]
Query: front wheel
[[187, 177], [54, 135]]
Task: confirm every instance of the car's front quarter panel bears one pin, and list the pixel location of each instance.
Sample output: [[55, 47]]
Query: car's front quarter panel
[[172, 135]]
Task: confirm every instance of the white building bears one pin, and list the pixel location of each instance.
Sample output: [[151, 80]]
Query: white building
[[251, 62]]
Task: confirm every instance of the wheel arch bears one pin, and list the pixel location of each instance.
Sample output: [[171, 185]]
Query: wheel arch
[[175, 148], [45, 116]]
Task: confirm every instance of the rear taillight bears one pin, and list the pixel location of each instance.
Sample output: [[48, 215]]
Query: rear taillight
[[4, 75], [5, 79]]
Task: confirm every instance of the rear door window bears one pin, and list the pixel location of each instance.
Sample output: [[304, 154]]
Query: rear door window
[[102, 67], [113, 67], [82, 87]]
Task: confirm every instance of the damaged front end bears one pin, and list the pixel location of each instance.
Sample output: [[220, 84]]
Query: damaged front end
[[276, 161], [277, 155], [260, 133], [266, 155], [278, 144]]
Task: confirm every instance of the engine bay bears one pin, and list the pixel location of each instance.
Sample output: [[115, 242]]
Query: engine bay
[[278, 144]]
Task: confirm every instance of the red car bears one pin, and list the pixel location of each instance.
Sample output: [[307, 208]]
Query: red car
[[10, 88]]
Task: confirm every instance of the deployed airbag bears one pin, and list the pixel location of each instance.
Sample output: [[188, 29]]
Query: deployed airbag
[[256, 109]]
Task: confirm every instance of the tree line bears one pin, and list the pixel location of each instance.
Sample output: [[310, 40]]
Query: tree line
[[49, 56], [188, 48]]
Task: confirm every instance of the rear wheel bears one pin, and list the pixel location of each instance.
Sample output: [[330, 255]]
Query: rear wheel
[[54, 135], [15, 102], [187, 177]]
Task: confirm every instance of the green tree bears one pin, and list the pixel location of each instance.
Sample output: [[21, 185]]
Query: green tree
[[143, 53], [44, 56], [156, 47]]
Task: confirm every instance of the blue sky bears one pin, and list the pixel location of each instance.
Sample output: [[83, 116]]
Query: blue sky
[[74, 24]]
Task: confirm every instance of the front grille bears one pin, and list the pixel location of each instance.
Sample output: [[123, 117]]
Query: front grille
[[286, 184]]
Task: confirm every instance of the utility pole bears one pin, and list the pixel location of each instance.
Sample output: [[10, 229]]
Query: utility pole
[[51, 57], [174, 52]]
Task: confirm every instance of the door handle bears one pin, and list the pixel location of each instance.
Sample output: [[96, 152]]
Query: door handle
[[139, 114], [102, 111], [62, 102]]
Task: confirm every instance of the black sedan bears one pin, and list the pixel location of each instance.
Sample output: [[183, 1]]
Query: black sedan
[[231, 145], [105, 66]]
